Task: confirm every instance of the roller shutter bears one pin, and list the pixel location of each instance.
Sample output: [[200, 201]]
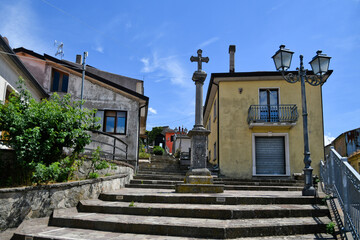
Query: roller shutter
[[270, 155]]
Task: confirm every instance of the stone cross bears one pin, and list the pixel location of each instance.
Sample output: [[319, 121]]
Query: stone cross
[[199, 59]]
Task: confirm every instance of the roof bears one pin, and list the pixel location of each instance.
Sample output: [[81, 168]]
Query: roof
[[237, 76], [77, 67], [21, 66]]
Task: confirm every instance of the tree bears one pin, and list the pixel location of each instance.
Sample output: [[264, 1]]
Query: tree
[[39, 131], [155, 131]]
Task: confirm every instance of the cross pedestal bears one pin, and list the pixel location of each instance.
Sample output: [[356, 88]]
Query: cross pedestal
[[198, 179]]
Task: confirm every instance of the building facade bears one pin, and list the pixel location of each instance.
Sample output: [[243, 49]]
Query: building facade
[[120, 101], [347, 145], [256, 124]]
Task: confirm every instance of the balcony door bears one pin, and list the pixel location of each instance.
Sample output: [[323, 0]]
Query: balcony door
[[269, 105]]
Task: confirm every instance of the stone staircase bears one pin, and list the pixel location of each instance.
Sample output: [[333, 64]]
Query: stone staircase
[[148, 208]]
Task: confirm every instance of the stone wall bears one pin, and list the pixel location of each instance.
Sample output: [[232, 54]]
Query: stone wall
[[16, 204]]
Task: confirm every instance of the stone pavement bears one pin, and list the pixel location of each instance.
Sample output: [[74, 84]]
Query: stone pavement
[[145, 209]]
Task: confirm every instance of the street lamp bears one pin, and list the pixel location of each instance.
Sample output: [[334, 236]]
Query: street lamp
[[320, 66]]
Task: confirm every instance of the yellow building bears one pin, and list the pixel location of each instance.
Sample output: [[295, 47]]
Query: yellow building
[[256, 124], [354, 161], [347, 145]]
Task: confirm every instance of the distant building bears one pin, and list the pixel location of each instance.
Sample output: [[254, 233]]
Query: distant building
[[120, 101], [347, 145], [256, 124], [181, 141]]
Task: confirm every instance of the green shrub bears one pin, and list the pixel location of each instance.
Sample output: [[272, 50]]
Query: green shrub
[[38, 131], [93, 175], [97, 163], [55, 172], [144, 155], [330, 228], [158, 150]]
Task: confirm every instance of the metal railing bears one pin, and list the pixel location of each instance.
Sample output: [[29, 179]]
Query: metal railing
[[112, 147], [341, 180], [273, 113]]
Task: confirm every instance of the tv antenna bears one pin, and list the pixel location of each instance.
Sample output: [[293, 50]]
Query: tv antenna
[[60, 49]]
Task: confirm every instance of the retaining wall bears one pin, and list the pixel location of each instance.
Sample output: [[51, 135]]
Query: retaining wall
[[19, 203]]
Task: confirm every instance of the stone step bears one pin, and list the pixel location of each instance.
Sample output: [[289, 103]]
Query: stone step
[[60, 233], [231, 183], [229, 197], [165, 171], [226, 187], [187, 227], [203, 211], [147, 181], [271, 180], [36, 231], [166, 176], [155, 176]]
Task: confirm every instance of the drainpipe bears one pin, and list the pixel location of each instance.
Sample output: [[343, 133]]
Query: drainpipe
[[137, 154], [83, 77], [218, 129]]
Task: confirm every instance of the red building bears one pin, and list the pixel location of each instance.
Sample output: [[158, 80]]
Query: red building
[[169, 133]]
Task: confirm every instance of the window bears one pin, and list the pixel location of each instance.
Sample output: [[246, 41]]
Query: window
[[115, 122], [59, 81], [269, 105], [209, 124], [214, 110], [112, 121], [214, 150]]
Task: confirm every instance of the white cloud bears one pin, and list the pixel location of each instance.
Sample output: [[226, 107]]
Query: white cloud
[[153, 111], [99, 49], [328, 139], [168, 67], [146, 67], [208, 42], [22, 28]]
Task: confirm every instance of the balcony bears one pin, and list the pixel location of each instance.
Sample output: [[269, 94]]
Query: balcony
[[284, 115]]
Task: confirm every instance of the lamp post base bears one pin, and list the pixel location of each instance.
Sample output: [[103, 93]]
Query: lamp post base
[[308, 189]]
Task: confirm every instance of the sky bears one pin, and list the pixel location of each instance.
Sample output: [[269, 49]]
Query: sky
[[153, 41]]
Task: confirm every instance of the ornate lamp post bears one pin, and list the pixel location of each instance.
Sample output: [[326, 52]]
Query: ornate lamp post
[[320, 66]]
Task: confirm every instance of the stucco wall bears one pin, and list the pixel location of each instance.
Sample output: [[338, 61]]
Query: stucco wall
[[212, 138], [236, 136], [9, 75], [96, 95], [99, 97], [16, 204]]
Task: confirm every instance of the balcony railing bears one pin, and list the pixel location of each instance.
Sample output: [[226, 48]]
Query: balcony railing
[[340, 180], [284, 113]]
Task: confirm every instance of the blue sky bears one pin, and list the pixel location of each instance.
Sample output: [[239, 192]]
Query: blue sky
[[153, 41]]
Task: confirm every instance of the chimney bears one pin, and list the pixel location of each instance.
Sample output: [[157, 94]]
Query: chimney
[[78, 59], [6, 40], [232, 49]]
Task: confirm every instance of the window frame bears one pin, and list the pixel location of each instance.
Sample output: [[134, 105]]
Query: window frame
[[61, 81], [103, 120]]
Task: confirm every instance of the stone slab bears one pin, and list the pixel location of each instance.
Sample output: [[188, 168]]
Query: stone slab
[[230, 196], [202, 210], [188, 227], [199, 188]]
